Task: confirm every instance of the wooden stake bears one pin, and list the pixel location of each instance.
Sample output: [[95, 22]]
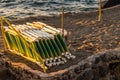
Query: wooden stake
[[62, 21], [100, 10]]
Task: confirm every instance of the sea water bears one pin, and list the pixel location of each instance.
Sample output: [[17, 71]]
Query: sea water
[[24, 8]]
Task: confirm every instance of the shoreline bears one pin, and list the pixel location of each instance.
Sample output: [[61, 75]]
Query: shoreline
[[66, 14]]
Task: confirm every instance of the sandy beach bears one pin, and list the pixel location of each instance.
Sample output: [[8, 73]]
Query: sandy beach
[[86, 37]]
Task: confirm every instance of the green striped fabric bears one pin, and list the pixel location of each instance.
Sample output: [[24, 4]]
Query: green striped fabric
[[35, 43]]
